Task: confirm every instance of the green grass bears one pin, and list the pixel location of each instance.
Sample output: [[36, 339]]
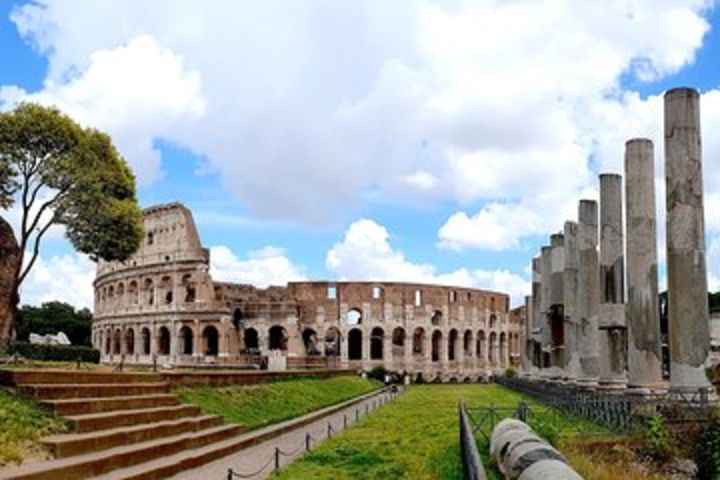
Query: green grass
[[413, 437], [260, 405], [22, 423]]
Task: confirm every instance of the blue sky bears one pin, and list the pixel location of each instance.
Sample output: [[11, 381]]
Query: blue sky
[[418, 140]]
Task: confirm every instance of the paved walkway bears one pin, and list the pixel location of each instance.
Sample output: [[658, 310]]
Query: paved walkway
[[259, 461]]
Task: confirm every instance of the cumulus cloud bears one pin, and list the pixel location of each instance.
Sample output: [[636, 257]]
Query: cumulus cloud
[[263, 267], [67, 278], [365, 253]]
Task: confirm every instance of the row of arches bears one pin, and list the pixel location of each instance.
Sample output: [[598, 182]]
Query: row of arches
[[124, 342], [354, 317], [148, 291]]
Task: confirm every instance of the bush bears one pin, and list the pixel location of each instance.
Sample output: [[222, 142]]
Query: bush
[[62, 353], [707, 452], [658, 438], [510, 372], [378, 373]]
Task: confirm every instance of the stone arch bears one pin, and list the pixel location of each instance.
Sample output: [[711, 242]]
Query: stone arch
[[186, 340], [251, 341], [418, 345], [163, 340], [492, 348], [108, 342], [355, 346], [493, 320], [332, 342], [189, 287], [354, 317], [120, 293], [167, 289], [130, 341], [467, 343], [503, 348], [145, 338], [377, 338], [149, 291], [237, 319], [436, 345], [277, 338], [117, 342], [132, 292], [309, 337], [452, 345], [398, 342], [436, 319], [480, 346], [211, 341]]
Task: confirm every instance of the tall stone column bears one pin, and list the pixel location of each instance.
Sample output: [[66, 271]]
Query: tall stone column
[[588, 299], [535, 318], [570, 300], [525, 335], [613, 344], [641, 312], [689, 325], [544, 327], [556, 316]]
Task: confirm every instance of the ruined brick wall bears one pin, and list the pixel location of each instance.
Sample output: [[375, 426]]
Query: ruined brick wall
[[9, 258]]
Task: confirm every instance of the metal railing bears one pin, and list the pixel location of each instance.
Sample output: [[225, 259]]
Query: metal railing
[[275, 460], [472, 464]]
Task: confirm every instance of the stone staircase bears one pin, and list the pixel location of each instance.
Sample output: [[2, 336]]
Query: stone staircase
[[125, 425]]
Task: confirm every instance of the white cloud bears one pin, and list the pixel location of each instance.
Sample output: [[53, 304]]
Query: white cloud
[[67, 278], [420, 180], [264, 267], [365, 253]]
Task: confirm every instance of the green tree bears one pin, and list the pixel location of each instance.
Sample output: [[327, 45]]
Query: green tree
[[62, 174], [54, 317]]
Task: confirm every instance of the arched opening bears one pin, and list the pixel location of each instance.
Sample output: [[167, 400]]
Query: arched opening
[[164, 341], [189, 287], [354, 317], [480, 345], [467, 343], [166, 288], [120, 293], [355, 344], [186, 340], [130, 341], [278, 338], [492, 348], [117, 342], [452, 344], [310, 341], [237, 319], [251, 341], [436, 345], [377, 337], [211, 341], [436, 318], [503, 348], [108, 342], [133, 292], [145, 336], [493, 321], [332, 342], [149, 291], [398, 342], [419, 342]]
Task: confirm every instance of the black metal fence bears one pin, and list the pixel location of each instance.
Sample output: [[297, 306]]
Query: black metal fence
[[274, 461], [472, 464], [619, 410]]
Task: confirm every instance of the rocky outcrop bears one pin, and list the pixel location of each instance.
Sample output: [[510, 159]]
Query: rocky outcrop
[[9, 258]]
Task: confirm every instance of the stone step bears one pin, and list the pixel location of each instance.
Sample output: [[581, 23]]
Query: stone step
[[117, 418], [17, 377], [50, 391], [66, 445], [78, 406], [97, 463]]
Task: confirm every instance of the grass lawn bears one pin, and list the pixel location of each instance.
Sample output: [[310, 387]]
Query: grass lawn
[[260, 405], [22, 423], [413, 437]]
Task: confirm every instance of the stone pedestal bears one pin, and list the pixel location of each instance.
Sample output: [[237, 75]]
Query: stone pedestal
[[588, 293], [689, 329], [612, 285], [641, 311]]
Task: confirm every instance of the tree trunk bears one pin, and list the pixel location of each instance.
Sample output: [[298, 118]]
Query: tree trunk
[[9, 298]]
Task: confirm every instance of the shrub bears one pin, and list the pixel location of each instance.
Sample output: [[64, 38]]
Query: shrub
[[707, 452], [63, 353], [657, 437], [378, 373], [510, 372]]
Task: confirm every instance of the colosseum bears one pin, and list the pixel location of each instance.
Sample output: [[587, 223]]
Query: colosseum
[[162, 306]]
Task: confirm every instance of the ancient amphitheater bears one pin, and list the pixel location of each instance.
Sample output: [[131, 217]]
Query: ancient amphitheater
[[163, 306]]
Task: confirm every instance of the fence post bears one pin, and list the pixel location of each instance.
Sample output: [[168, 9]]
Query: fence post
[[344, 421], [307, 442], [329, 430], [230, 474], [277, 458]]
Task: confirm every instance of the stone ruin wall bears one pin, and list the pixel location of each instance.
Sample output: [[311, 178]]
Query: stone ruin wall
[[162, 305]]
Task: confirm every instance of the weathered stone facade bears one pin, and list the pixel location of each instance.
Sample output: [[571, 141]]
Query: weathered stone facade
[[9, 258], [162, 305]]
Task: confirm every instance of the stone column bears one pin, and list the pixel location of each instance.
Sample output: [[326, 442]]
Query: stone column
[[525, 335], [556, 317], [570, 299], [588, 293], [641, 312], [613, 345], [535, 355], [689, 324], [544, 327]]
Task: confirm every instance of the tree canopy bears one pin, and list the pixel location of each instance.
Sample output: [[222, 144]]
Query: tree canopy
[[60, 173], [54, 317]]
